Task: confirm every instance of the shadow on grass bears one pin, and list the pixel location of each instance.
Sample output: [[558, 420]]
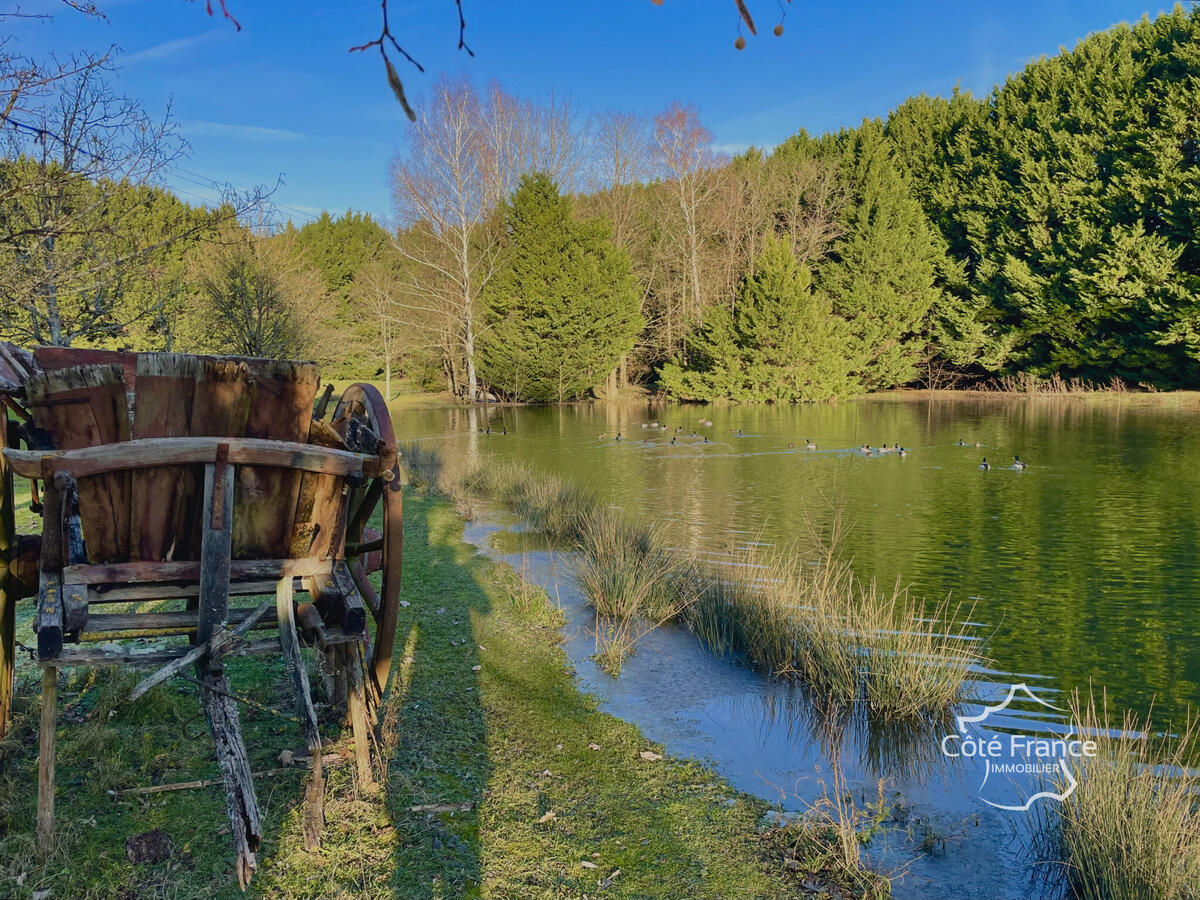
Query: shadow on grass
[[434, 730]]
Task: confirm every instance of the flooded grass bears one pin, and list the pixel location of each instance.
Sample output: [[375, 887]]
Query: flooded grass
[[1131, 828], [797, 613]]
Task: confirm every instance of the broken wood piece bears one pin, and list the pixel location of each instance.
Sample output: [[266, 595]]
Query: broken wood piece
[[49, 724], [240, 800], [217, 645], [314, 793], [360, 714], [441, 807], [329, 759]]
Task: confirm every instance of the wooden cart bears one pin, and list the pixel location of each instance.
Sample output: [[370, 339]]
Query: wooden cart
[[200, 480]]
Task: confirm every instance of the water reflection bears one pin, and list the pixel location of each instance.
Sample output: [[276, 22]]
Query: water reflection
[[893, 751], [1083, 567]]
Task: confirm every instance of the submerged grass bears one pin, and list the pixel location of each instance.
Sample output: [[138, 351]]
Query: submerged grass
[[800, 612], [1130, 830]]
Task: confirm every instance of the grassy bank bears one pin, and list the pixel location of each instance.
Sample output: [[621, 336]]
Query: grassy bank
[[800, 612], [540, 794]]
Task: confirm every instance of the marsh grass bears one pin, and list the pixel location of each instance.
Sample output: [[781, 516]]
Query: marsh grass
[[1131, 828], [1028, 383], [798, 612], [424, 466]]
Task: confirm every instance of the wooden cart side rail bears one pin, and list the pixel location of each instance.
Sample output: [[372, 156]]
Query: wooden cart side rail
[[150, 452], [185, 570]]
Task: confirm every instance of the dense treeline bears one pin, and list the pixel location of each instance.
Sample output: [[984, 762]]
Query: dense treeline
[[543, 255], [1048, 228]]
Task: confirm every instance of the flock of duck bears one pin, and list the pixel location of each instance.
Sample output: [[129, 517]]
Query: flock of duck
[[865, 449]]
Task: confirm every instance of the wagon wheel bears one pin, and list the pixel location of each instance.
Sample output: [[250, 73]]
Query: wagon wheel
[[362, 419]]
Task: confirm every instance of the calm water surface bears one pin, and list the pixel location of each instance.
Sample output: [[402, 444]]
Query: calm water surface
[[1081, 569]]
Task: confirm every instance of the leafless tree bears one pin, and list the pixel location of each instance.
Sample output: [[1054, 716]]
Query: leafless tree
[[447, 184], [257, 297], [691, 168]]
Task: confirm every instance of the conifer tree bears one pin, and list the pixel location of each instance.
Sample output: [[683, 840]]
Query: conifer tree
[[562, 307], [881, 272], [781, 342]]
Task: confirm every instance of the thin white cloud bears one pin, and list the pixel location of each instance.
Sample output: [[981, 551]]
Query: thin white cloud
[[252, 133], [731, 149], [171, 48]]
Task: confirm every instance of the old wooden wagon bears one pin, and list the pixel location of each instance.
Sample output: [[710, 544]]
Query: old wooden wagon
[[200, 482]]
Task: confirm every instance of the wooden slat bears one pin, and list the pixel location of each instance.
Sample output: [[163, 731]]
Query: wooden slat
[[127, 593], [184, 451], [189, 570], [289, 641], [281, 410], [162, 495], [49, 727], [216, 544], [241, 802], [86, 406], [8, 581], [184, 621]]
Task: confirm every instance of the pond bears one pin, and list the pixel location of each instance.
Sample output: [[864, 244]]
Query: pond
[[1081, 569]]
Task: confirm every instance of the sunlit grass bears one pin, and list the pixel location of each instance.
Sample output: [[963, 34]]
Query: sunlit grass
[[1130, 830]]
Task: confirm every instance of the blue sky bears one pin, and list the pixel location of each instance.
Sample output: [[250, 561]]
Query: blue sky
[[283, 98]]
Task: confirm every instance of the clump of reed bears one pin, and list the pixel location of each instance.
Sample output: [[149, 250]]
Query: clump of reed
[[548, 503], [424, 466], [796, 613], [1028, 383], [815, 621], [1131, 826], [630, 580]]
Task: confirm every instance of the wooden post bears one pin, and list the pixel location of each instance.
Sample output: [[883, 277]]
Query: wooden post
[[216, 545], [8, 592], [289, 641], [352, 663], [45, 810]]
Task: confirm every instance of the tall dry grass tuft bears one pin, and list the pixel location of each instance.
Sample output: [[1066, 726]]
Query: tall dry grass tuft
[[630, 580], [798, 612], [1131, 827], [1028, 383], [424, 466]]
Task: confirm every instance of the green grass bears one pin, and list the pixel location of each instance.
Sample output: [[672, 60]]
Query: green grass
[[1131, 828], [483, 710]]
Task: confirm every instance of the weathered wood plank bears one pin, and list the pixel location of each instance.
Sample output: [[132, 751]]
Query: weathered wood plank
[[126, 593], [86, 406], [49, 724], [352, 660], [216, 545], [161, 495], [281, 410], [8, 581], [149, 452], [189, 570], [241, 802], [314, 794], [100, 625]]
